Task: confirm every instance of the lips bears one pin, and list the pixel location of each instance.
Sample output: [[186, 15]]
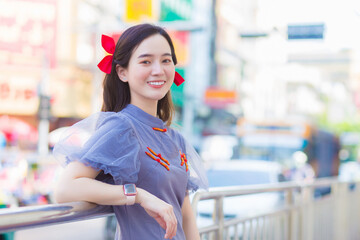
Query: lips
[[156, 83]]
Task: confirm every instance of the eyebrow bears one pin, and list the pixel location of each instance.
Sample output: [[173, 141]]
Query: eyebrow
[[151, 55]]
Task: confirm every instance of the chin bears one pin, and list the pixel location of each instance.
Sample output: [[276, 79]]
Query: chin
[[159, 96]]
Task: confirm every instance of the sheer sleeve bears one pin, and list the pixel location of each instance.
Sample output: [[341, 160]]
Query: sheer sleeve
[[105, 141], [197, 178]]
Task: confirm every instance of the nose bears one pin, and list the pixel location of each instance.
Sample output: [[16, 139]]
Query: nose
[[157, 68]]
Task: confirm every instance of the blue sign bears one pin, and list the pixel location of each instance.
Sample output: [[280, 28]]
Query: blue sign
[[309, 31]]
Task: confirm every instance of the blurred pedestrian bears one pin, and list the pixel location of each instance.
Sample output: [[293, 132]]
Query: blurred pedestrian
[[133, 159]]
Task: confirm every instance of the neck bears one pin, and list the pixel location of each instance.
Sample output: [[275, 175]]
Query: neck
[[149, 107]]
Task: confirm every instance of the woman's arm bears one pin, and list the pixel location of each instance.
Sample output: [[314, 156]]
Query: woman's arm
[[189, 220], [78, 183]]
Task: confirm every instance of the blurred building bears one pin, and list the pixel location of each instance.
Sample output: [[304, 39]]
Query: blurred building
[[292, 61], [37, 49]]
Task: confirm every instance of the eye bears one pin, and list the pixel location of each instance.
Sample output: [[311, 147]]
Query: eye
[[145, 62], [167, 60]]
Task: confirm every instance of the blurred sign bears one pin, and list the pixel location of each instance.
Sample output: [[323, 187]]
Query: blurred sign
[[181, 45], [173, 10], [218, 98], [27, 32], [309, 31], [17, 94], [71, 92], [139, 10]]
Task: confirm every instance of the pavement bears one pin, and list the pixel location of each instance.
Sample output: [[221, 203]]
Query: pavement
[[82, 230]]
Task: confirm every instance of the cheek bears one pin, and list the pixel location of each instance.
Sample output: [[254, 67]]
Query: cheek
[[140, 73], [171, 73]]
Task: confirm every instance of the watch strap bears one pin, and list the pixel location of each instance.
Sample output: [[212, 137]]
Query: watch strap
[[130, 200]]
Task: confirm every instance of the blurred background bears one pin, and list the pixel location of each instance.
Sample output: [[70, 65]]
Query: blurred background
[[274, 81]]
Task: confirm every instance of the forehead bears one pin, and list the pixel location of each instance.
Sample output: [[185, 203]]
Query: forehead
[[155, 44]]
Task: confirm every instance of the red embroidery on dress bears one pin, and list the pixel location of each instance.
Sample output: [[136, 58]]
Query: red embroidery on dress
[[154, 155], [184, 160], [158, 155], [160, 129]]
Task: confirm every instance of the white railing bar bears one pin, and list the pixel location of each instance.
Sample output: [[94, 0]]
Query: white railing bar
[[12, 219], [218, 192], [210, 228]]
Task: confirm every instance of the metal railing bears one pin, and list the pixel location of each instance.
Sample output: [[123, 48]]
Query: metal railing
[[324, 209], [14, 219], [302, 216]]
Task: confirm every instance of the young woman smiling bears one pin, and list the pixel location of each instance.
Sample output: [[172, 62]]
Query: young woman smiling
[[131, 158]]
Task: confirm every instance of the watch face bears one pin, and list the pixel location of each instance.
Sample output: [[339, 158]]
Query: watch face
[[130, 189]]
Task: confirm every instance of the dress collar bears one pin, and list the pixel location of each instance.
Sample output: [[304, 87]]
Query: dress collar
[[139, 115]]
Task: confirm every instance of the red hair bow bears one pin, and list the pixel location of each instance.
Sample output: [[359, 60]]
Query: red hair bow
[[178, 79], [109, 45]]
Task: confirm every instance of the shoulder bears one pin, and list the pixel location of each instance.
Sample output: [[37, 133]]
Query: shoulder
[[113, 121], [176, 136]]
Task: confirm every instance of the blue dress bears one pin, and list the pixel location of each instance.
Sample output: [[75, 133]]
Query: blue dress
[[132, 146]]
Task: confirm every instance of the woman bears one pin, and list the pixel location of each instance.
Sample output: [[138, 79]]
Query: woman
[[132, 159]]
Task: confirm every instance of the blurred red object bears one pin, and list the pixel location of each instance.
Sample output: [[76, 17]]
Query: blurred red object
[[16, 130]]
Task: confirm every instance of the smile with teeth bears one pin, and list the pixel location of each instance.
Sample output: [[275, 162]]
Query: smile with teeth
[[156, 83]]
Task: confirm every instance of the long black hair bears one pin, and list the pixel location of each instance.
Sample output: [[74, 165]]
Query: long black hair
[[116, 95]]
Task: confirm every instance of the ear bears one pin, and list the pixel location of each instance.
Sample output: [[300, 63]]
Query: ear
[[122, 73]]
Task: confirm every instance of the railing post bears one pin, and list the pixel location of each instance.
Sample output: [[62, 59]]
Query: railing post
[[357, 212], [291, 217], [195, 201], [341, 209], [307, 216], [219, 217]]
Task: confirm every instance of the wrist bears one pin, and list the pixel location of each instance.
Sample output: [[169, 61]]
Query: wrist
[[139, 196]]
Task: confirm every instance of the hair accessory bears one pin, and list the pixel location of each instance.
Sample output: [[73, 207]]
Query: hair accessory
[[178, 79], [109, 45]]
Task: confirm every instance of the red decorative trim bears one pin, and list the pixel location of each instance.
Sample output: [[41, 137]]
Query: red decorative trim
[[154, 155], [159, 129], [183, 160]]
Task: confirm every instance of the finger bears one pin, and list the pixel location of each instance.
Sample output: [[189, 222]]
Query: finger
[[173, 222], [171, 226], [175, 226], [174, 230]]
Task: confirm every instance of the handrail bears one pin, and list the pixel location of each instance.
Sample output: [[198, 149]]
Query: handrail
[[220, 192], [297, 211], [13, 219]]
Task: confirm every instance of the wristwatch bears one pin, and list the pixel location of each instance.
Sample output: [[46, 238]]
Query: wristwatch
[[130, 193]]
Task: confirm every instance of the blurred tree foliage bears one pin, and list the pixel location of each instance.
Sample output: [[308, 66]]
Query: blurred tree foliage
[[351, 125]]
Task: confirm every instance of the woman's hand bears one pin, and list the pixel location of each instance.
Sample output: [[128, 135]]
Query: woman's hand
[[161, 211]]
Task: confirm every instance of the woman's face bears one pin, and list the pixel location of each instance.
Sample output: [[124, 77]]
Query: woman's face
[[151, 70]]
